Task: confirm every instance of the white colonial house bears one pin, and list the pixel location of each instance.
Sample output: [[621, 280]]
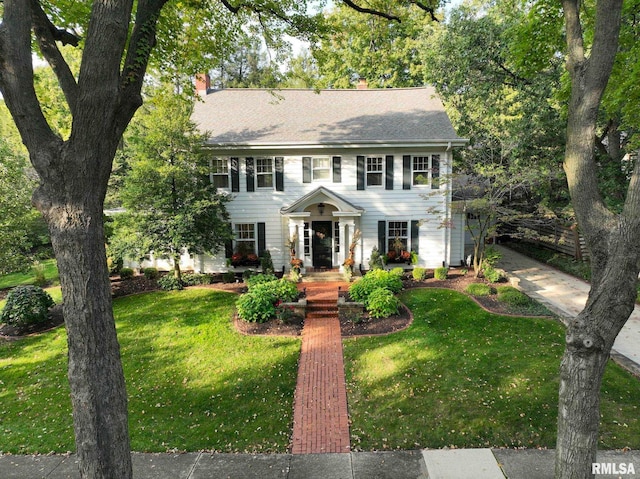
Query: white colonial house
[[319, 165]]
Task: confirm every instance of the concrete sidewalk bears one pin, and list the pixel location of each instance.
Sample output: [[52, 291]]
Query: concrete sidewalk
[[431, 464], [566, 296]]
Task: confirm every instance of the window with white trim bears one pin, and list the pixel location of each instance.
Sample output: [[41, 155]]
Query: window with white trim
[[321, 168], [426, 171], [397, 236], [264, 172], [220, 172], [420, 170], [245, 238], [374, 170]]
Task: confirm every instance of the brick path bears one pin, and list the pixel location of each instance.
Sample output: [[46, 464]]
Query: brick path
[[320, 418]]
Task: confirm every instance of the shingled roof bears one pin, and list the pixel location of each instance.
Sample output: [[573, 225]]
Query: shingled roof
[[246, 117]]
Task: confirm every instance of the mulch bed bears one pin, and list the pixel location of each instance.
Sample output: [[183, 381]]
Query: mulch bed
[[368, 326]]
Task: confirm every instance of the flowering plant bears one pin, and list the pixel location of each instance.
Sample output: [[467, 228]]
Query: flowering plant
[[296, 263], [349, 262]]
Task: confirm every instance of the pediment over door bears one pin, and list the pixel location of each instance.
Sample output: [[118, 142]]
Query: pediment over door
[[323, 195]]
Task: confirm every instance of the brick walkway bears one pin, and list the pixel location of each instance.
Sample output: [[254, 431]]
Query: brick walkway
[[320, 418]]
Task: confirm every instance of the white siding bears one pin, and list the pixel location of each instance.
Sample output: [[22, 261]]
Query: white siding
[[417, 203]]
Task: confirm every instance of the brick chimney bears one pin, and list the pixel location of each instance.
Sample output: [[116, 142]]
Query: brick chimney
[[203, 84], [362, 84]]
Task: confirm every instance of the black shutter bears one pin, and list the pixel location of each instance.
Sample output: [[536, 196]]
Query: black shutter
[[337, 169], [251, 180], [415, 242], [228, 248], [306, 169], [279, 173], [262, 243], [382, 237], [406, 172], [360, 172], [235, 174], [388, 172]]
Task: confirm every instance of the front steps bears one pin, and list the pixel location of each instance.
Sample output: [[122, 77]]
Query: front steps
[[322, 309]]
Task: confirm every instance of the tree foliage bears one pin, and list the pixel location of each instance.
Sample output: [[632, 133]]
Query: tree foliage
[[360, 45], [169, 201]]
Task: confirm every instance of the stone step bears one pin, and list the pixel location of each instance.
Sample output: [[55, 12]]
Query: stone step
[[322, 277]]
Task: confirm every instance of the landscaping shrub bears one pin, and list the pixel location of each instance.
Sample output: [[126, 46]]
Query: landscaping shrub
[[478, 289], [441, 273], [151, 273], [491, 274], [512, 296], [248, 273], [170, 283], [38, 270], [491, 257], [259, 303], [399, 272], [196, 279], [266, 263], [25, 306], [379, 278], [257, 279], [376, 261], [229, 277], [382, 303], [419, 273], [126, 273]]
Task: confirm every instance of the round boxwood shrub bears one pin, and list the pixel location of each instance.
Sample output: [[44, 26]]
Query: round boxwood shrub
[[126, 273], [382, 303], [151, 273], [478, 289], [26, 306]]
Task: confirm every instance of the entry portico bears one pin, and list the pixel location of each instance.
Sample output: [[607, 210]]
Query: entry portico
[[323, 223]]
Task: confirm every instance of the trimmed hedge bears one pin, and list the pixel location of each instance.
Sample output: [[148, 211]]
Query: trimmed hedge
[[25, 306]]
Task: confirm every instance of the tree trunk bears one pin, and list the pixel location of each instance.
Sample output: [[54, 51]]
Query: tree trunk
[[73, 208]]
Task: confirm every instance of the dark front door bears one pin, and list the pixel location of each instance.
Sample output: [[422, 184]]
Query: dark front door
[[321, 244]]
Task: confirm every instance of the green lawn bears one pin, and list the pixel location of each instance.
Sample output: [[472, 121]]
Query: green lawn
[[27, 277], [193, 382], [460, 376]]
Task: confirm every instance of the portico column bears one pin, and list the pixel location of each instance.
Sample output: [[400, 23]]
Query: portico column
[[350, 227]]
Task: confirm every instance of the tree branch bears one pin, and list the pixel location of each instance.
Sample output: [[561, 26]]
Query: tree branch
[[46, 35], [427, 8], [16, 79], [370, 11], [575, 41], [142, 41]]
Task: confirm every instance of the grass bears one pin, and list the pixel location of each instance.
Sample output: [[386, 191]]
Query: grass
[[28, 277], [463, 377], [193, 382]]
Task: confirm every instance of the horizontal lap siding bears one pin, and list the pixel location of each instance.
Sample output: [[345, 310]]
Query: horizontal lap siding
[[379, 204]]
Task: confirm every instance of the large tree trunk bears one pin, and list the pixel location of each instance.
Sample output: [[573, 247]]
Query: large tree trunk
[[589, 339], [73, 209], [611, 240]]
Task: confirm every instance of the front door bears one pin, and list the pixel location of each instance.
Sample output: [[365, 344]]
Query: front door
[[321, 244]]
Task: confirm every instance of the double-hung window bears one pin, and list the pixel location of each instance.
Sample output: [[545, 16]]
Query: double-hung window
[[374, 170], [321, 168], [220, 172], [245, 238], [397, 235], [426, 171], [264, 172]]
